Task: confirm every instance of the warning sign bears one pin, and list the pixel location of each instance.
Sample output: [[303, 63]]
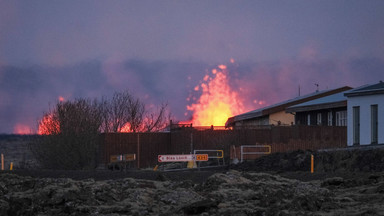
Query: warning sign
[[202, 157]]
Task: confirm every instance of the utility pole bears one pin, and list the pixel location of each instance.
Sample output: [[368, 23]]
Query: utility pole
[[299, 90], [191, 143]]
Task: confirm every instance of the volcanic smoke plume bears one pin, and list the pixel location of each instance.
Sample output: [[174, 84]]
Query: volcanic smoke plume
[[195, 91]]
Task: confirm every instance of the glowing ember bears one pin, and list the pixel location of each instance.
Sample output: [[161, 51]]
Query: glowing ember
[[217, 102], [22, 129], [48, 125]]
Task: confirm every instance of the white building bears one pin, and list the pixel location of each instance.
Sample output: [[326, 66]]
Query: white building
[[276, 114], [366, 115]]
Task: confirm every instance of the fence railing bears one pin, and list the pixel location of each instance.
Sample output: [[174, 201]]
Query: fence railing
[[254, 152]]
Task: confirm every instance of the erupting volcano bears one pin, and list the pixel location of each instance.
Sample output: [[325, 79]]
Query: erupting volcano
[[213, 103], [218, 100]]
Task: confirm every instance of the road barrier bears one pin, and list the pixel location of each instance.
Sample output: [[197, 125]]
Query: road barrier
[[219, 155], [121, 161], [256, 152]]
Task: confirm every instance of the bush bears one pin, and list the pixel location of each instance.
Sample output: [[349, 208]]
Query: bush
[[70, 138]]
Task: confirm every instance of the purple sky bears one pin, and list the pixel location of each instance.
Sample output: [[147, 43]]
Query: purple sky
[[162, 49]]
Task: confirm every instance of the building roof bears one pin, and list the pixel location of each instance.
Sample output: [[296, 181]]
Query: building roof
[[283, 105], [367, 90], [332, 101]]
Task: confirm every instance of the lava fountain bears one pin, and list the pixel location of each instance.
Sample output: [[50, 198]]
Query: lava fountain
[[218, 101], [48, 125]]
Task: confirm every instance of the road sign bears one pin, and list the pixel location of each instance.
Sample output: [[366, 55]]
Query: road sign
[[175, 158], [120, 158], [202, 157], [182, 158], [129, 157]]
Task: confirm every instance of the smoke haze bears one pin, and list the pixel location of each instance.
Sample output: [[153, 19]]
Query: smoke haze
[[161, 50], [27, 92]]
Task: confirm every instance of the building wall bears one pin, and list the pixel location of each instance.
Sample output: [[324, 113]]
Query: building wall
[[365, 102], [301, 118], [283, 117], [253, 122]]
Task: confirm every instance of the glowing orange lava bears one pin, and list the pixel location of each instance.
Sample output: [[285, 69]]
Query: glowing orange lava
[[126, 128], [217, 102], [22, 129], [48, 125]]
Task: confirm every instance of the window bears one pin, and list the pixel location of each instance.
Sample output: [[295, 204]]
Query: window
[[309, 119], [374, 124], [318, 118], [356, 125], [341, 118], [330, 118]]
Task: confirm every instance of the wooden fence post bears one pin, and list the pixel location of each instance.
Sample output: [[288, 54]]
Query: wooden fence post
[[138, 150]]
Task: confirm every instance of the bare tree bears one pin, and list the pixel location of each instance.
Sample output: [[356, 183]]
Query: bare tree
[[116, 112], [79, 117], [136, 114], [71, 136], [155, 121], [126, 113]]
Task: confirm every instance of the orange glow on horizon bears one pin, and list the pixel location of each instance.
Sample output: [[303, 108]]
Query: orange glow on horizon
[[22, 129], [217, 102]]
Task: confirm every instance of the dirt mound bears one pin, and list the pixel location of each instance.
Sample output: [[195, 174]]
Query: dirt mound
[[291, 161], [229, 193], [355, 160], [261, 193], [367, 160]]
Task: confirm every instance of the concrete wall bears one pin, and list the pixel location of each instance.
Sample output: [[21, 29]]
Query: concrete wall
[[365, 102]]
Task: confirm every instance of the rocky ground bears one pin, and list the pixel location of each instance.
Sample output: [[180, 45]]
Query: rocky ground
[[345, 183], [222, 193]]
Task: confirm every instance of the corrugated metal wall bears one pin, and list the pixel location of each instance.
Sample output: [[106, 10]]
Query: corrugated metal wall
[[147, 146]]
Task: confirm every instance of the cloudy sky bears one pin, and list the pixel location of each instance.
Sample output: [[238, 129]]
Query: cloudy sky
[[62, 32], [86, 48]]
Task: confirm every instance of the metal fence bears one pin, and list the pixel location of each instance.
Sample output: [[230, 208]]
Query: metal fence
[[147, 146]]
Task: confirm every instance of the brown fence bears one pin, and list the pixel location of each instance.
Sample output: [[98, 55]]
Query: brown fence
[[147, 146]]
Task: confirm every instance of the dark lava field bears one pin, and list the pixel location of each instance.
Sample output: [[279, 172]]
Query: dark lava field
[[347, 182]]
